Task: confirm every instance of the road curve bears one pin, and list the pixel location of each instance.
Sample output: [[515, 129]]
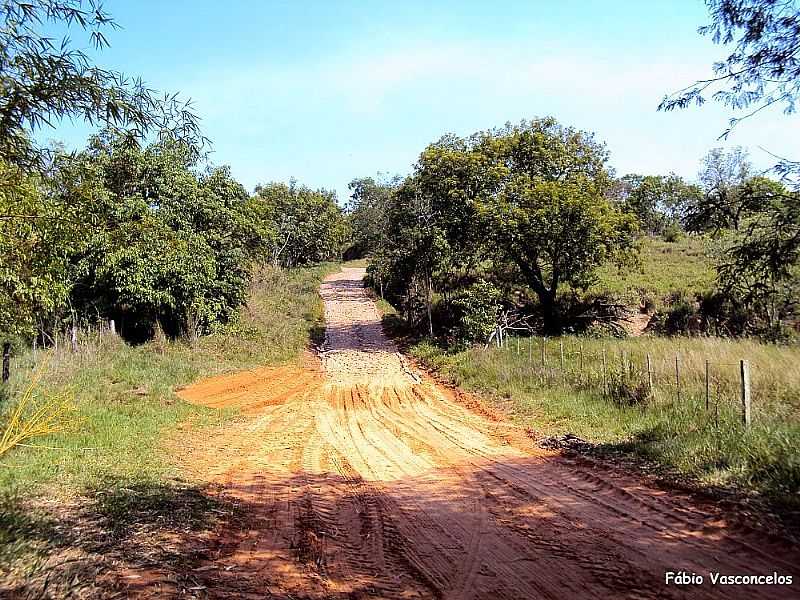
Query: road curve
[[364, 479]]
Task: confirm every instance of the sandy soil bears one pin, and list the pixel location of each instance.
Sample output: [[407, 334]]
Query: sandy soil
[[361, 478]]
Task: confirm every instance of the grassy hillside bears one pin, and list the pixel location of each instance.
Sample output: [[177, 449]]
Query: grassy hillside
[[663, 269]]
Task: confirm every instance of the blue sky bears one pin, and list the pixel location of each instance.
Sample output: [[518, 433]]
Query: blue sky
[[329, 91]]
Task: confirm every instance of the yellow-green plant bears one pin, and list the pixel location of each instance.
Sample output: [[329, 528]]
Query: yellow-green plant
[[36, 415]]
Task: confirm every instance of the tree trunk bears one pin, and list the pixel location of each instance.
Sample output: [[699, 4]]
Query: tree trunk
[[430, 301], [547, 297], [552, 316]]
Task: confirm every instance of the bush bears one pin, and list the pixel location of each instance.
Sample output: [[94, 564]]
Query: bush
[[475, 308], [627, 390], [681, 318], [673, 233]]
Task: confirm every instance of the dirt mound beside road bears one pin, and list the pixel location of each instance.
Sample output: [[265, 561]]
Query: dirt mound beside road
[[365, 480]]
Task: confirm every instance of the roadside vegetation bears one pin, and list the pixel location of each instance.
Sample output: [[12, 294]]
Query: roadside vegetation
[[668, 289], [490, 236], [126, 265], [669, 427], [109, 466], [123, 395], [134, 265]]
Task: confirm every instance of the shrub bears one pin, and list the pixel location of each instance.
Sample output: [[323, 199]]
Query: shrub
[[681, 317], [476, 308], [673, 233], [626, 391]]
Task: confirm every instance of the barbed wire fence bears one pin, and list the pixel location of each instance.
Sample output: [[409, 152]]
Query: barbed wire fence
[[637, 378]]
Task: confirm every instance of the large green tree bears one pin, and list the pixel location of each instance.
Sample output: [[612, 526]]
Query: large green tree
[[546, 206], [532, 198], [168, 247], [306, 226]]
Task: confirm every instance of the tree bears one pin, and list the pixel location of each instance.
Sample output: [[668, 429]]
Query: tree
[[452, 175], [37, 235], [557, 233], [420, 248], [531, 197], [762, 70], [433, 226], [760, 263], [764, 67], [549, 214], [308, 225], [658, 201], [367, 211], [168, 247], [724, 202], [43, 81]]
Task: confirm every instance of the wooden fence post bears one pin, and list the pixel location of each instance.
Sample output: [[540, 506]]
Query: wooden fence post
[[112, 327], [73, 338], [517, 337], [530, 348], [561, 350], [708, 386], [623, 357], [744, 368], [6, 361], [544, 339], [605, 386], [649, 375], [677, 378]]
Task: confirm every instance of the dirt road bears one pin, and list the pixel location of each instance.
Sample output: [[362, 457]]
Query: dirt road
[[365, 479]]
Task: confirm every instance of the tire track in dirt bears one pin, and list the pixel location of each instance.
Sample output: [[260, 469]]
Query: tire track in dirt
[[360, 478]]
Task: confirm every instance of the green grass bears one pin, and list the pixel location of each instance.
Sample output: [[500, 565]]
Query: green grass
[[710, 447], [125, 395], [663, 269]]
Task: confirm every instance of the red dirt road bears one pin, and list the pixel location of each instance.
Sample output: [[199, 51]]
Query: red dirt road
[[364, 479]]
